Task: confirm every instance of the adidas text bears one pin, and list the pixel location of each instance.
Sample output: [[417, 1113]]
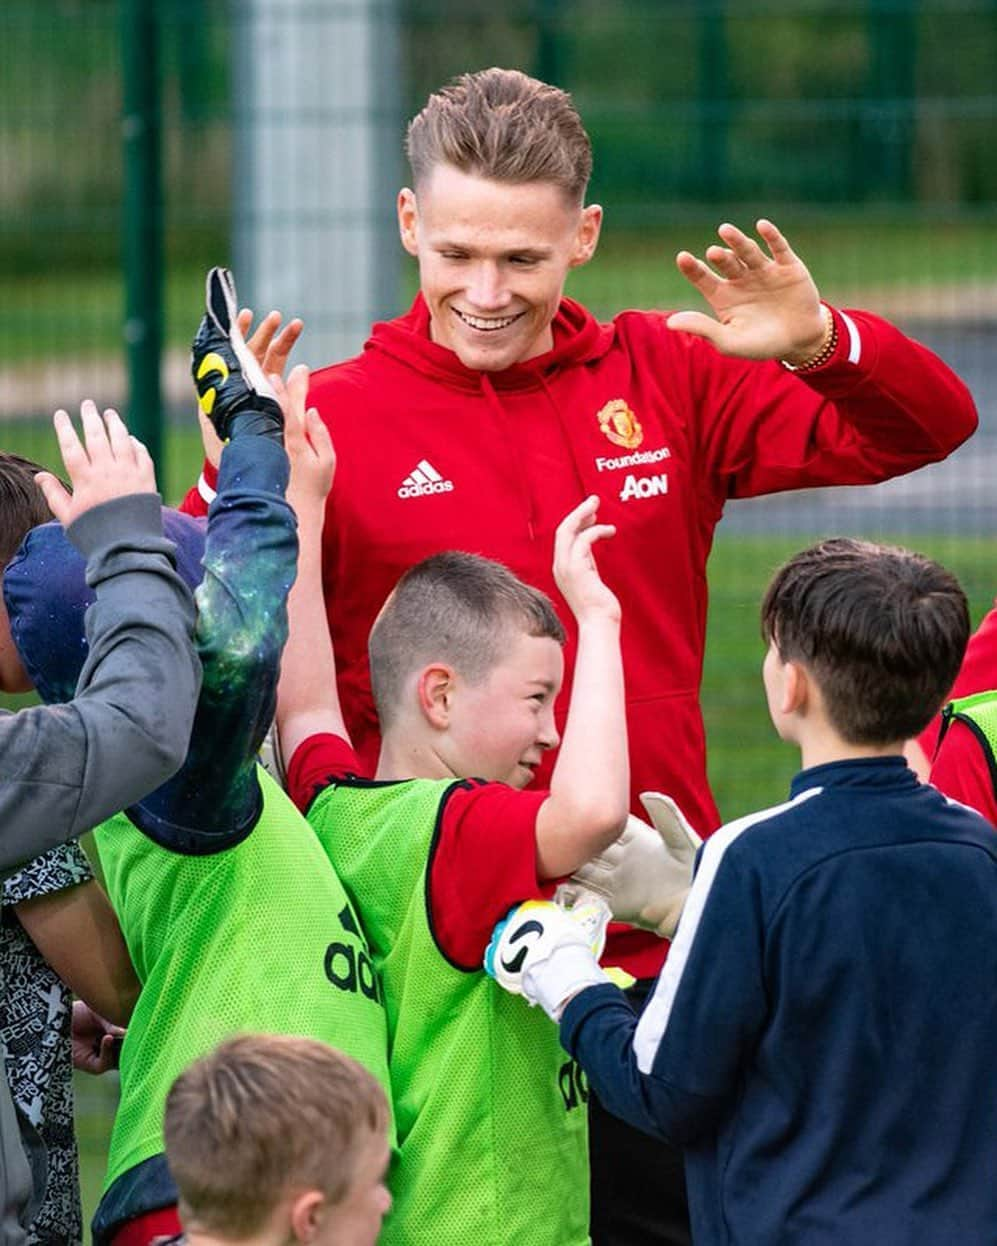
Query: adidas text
[[643, 486], [424, 480], [351, 969], [432, 486], [348, 967]]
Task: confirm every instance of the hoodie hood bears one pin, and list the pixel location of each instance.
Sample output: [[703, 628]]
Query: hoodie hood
[[578, 338], [46, 594]]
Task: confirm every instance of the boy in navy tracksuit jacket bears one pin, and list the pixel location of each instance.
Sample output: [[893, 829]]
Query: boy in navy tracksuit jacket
[[821, 1039]]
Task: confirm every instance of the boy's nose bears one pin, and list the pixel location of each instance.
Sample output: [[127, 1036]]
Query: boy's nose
[[549, 735]]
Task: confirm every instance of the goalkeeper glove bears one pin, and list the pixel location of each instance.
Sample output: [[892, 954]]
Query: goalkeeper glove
[[231, 388], [548, 954], [645, 875]]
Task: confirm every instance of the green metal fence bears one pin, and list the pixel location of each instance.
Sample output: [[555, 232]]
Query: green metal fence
[[867, 128]]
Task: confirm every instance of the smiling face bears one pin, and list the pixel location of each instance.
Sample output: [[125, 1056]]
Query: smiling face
[[501, 726], [493, 258]]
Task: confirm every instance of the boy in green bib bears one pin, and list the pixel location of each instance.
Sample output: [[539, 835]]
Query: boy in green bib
[[233, 916], [466, 664]]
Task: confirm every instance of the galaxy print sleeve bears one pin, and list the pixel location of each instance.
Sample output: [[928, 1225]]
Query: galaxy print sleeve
[[250, 560]]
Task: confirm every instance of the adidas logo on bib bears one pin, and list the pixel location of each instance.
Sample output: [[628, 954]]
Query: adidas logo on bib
[[425, 479]]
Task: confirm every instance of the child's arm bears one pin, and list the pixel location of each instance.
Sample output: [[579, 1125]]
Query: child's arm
[[76, 931], [307, 698], [67, 767], [249, 559], [589, 787]]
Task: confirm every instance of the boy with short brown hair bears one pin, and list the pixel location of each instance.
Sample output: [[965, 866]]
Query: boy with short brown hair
[[273, 1138], [467, 663]]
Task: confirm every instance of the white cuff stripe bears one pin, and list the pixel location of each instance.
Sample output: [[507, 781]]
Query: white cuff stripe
[[205, 490], [854, 341]]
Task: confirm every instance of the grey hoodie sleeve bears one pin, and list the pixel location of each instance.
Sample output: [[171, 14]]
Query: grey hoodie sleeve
[[64, 768]]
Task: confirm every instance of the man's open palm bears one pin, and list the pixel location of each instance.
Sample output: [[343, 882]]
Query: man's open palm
[[765, 303]]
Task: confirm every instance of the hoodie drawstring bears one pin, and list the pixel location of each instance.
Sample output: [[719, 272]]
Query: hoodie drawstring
[[569, 441], [488, 389]]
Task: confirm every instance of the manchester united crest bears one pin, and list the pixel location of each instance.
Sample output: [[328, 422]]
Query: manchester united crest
[[620, 424]]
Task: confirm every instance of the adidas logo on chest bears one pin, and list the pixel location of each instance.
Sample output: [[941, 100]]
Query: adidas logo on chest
[[423, 480]]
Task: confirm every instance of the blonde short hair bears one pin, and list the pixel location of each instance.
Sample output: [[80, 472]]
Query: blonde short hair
[[259, 1115], [503, 125]]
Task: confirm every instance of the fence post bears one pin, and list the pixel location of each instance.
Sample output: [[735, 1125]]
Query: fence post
[[891, 90], [549, 42], [143, 222], [318, 142], [714, 101]]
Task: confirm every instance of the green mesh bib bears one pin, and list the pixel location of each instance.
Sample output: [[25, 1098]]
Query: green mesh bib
[[490, 1111], [258, 937], [979, 713]]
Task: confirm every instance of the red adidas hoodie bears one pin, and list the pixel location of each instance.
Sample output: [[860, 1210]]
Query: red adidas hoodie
[[433, 456]]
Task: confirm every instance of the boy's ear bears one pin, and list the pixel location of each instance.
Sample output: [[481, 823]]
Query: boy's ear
[[435, 689], [306, 1213], [795, 688]]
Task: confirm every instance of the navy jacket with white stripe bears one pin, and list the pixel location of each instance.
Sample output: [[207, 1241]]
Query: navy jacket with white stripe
[[822, 1039]]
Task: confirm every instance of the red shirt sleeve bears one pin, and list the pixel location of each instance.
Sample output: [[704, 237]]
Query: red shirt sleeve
[[961, 770], [978, 673], [482, 862], [197, 500], [318, 761]]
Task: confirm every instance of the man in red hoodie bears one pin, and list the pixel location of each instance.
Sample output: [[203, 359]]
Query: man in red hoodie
[[495, 404]]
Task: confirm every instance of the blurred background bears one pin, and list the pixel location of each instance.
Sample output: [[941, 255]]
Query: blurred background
[[143, 140]]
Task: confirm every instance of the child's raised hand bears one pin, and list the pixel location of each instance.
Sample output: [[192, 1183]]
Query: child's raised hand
[[108, 463], [575, 572], [307, 441], [269, 343]]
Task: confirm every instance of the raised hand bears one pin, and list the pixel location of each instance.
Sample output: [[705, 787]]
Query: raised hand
[[307, 441], [108, 463], [271, 348], [575, 571], [766, 304], [232, 390]]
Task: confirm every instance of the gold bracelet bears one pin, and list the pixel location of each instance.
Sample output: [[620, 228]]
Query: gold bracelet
[[826, 350]]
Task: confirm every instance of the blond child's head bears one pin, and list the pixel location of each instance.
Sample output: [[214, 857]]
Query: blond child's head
[[279, 1138]]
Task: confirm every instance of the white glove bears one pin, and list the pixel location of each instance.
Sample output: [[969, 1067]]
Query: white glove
[[548, 954], [645, 875]]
